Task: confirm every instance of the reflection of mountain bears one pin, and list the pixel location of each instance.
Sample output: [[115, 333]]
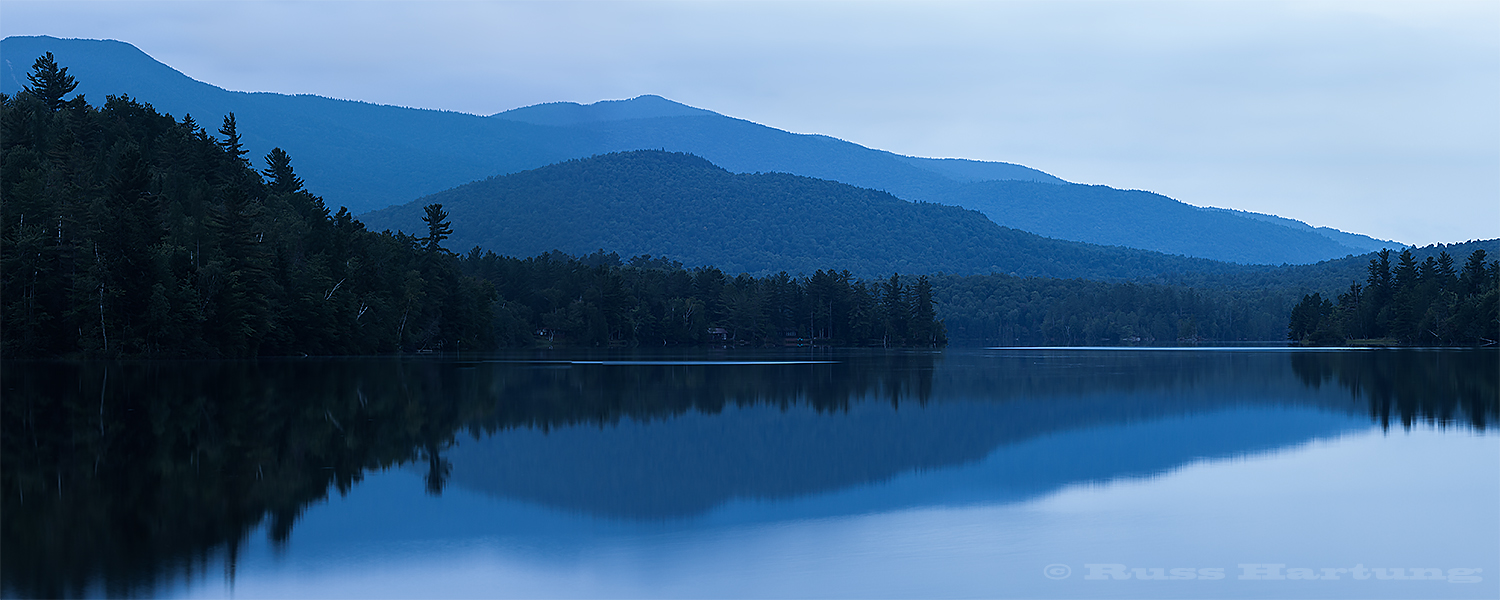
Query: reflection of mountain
[[115, 475], [693, 463]]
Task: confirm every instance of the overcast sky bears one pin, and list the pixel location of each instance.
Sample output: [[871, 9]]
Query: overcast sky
[[1377, 118]]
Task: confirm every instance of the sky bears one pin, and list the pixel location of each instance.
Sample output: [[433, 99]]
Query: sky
[[1380, 118]]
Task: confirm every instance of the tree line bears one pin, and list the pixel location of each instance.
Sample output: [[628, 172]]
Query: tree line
[[1428, 303], [600, 299], [1030, 311]]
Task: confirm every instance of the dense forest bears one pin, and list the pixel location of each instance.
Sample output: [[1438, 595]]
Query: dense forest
[[126, 232], [1430, 303]]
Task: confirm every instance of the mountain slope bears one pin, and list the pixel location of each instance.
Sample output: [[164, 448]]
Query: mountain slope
[[1364, 243], [1134, 218], [368, 156], [682, 206]]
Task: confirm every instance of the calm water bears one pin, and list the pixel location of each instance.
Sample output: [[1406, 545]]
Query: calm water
[[1007, 473]]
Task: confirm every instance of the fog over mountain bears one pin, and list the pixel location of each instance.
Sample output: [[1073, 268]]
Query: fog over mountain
[[368, 156]]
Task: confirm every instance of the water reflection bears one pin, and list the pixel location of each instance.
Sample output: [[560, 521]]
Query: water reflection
[[1436, 387], [118, 476]]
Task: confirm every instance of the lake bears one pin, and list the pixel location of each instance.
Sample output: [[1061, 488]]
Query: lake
[[1005, 473]]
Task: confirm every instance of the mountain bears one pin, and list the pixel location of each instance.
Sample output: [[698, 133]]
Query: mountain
[[368, 156], [1138, 219], [565, 114], [1364, 243], [684, 207]]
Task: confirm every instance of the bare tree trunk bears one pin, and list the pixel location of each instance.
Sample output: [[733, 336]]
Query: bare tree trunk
[[102, 332], [401, 331], [102, 387]]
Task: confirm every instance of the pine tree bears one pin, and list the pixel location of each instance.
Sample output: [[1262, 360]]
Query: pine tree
[[1406, 272], [279, 172], [897, 310], [50, 82], [1446, 276], [1375, 308], [1308, 317], [925, 326], [1406, 303], [438, 228], [232, 143], [1475, 277]]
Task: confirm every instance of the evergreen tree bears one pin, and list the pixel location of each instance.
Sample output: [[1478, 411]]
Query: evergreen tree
[[1348, 312], [1445, 275], [1375, 311], [1475, 277], [1406, 274], [438, 228], [926, 329], [1310, 316], [232, 143], [50, 82], [279, 173], [896, 310], [1407, 298]]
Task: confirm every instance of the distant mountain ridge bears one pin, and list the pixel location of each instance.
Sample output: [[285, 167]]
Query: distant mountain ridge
[[572, 113], [368, 156], [686, 208], [1140, 219], [1353, 240]]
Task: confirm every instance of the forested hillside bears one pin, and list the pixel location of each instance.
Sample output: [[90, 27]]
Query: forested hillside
[[127, 232], [678, 205]]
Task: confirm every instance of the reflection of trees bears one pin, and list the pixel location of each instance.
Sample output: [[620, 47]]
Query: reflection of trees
[[1411, 386], [119, 474], [543, 397]]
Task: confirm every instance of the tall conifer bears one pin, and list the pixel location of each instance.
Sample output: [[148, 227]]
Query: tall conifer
[[50, 82]]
